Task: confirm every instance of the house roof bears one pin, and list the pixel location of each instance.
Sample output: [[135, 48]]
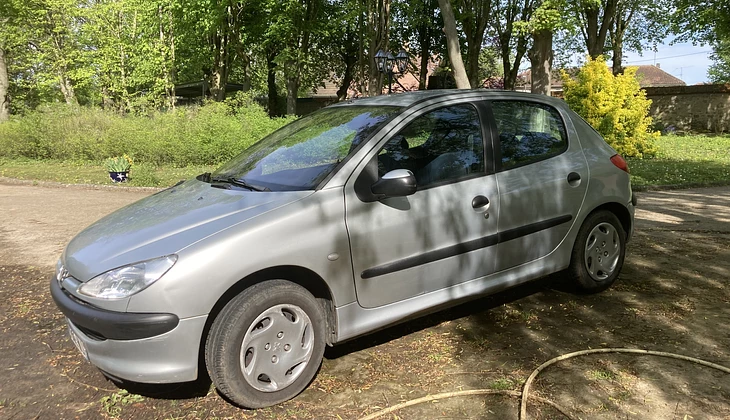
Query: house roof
[[648, 76], [653, 76]]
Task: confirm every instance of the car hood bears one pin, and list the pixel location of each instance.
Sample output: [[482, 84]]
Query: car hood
[[164, 223]]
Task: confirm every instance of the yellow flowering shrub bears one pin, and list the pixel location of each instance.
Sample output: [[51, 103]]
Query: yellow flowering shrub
[[615, 106]]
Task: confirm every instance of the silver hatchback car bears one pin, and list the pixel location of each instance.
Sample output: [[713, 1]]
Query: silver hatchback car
[[346, 221]]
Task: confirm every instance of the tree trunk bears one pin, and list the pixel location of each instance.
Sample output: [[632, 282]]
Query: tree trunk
[[472, 62], [4, 88], [617, 58], [476, 17], [67, 89], [423, 73], [346, 79], [63, 81], [271, 84], [379, 18], [597, 26], [452, 44], [616, 34], [541, 61], [362, 82], [424, 40], [173, 65], [219, 75], [292, 91], [511, 67], [350, 58]]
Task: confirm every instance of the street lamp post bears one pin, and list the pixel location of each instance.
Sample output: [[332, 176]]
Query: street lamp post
[[389, 64]]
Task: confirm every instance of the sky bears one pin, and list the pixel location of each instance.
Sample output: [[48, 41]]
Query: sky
[[685, 61]]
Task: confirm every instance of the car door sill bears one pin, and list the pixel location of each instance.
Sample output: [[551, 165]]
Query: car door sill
[[354, 320]]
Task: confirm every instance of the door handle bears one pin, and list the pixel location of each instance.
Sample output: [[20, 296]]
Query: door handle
[[573, 179], [480, 203]]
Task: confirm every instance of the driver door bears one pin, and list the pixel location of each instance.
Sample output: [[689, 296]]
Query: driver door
[[442, 235]]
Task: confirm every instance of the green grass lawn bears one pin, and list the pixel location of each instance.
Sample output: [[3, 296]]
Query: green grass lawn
[[88, 173], [697, 160]]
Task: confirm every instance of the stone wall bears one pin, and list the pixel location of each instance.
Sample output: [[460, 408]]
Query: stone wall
[[700, 108]]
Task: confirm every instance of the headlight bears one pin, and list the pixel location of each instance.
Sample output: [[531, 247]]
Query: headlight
[[125, 281]]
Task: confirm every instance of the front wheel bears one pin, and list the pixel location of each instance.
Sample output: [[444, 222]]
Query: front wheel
[[266, 344], [598, 252]]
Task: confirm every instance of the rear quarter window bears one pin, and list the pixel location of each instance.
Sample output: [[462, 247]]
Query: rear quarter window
[[528, 132]]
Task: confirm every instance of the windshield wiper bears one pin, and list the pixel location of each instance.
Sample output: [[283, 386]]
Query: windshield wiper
[[239, 183]]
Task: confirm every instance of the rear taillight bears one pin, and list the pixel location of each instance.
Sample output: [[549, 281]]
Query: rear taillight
[[620, 163]]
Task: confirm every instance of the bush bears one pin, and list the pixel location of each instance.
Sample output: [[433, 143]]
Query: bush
[[199, 135], [614, 105]]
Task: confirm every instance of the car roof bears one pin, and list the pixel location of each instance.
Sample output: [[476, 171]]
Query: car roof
[[408, 99]]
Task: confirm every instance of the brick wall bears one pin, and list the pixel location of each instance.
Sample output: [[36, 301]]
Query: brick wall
[[701, 108]]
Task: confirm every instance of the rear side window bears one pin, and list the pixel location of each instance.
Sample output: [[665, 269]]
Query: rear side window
[[528, 132]]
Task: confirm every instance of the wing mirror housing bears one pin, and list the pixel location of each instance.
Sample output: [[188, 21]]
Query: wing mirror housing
[[396, 183]]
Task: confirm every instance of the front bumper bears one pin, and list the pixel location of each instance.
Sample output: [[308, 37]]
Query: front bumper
[[105, 324], [162, 352]]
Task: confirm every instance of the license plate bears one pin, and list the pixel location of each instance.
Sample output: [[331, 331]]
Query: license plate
[[78, 343]]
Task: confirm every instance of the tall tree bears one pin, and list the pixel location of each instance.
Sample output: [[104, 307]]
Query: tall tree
[[418, 25], [595, 18], [474, 16], [706, 22], [378, 24], [53, 28], [452, 43], [547, 18], [342, 37], [304, 19], [4, 86], [5, 12], [512, 43], [636, 25], [719, 71]]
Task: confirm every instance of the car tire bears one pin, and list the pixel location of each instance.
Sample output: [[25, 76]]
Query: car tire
[[266, 345], [598, 253]]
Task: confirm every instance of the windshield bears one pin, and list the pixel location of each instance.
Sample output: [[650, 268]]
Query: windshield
[[301, 154]]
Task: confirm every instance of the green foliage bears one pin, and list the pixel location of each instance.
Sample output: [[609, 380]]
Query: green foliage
[[204, 135], [490, 64], [118, 164], [614, 105], [719, 71], [113, 404]]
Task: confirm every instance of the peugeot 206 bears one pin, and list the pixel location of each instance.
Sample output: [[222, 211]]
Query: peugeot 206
[[348, 220]]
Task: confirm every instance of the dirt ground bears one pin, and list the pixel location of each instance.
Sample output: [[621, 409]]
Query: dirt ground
[[672, 296]]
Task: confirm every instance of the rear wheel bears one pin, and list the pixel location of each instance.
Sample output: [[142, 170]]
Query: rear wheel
[[266, 345], [598, 252]]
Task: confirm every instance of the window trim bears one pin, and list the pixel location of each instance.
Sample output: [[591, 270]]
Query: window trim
[[499, 167]]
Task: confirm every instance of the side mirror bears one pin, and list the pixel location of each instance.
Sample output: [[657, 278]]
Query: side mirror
[[396, 183]]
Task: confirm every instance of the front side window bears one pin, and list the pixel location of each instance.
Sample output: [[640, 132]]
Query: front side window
[[438, 147], [302, 154], [528, 132]]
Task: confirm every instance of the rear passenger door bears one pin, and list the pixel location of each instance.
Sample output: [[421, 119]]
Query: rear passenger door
[[542, 176]]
